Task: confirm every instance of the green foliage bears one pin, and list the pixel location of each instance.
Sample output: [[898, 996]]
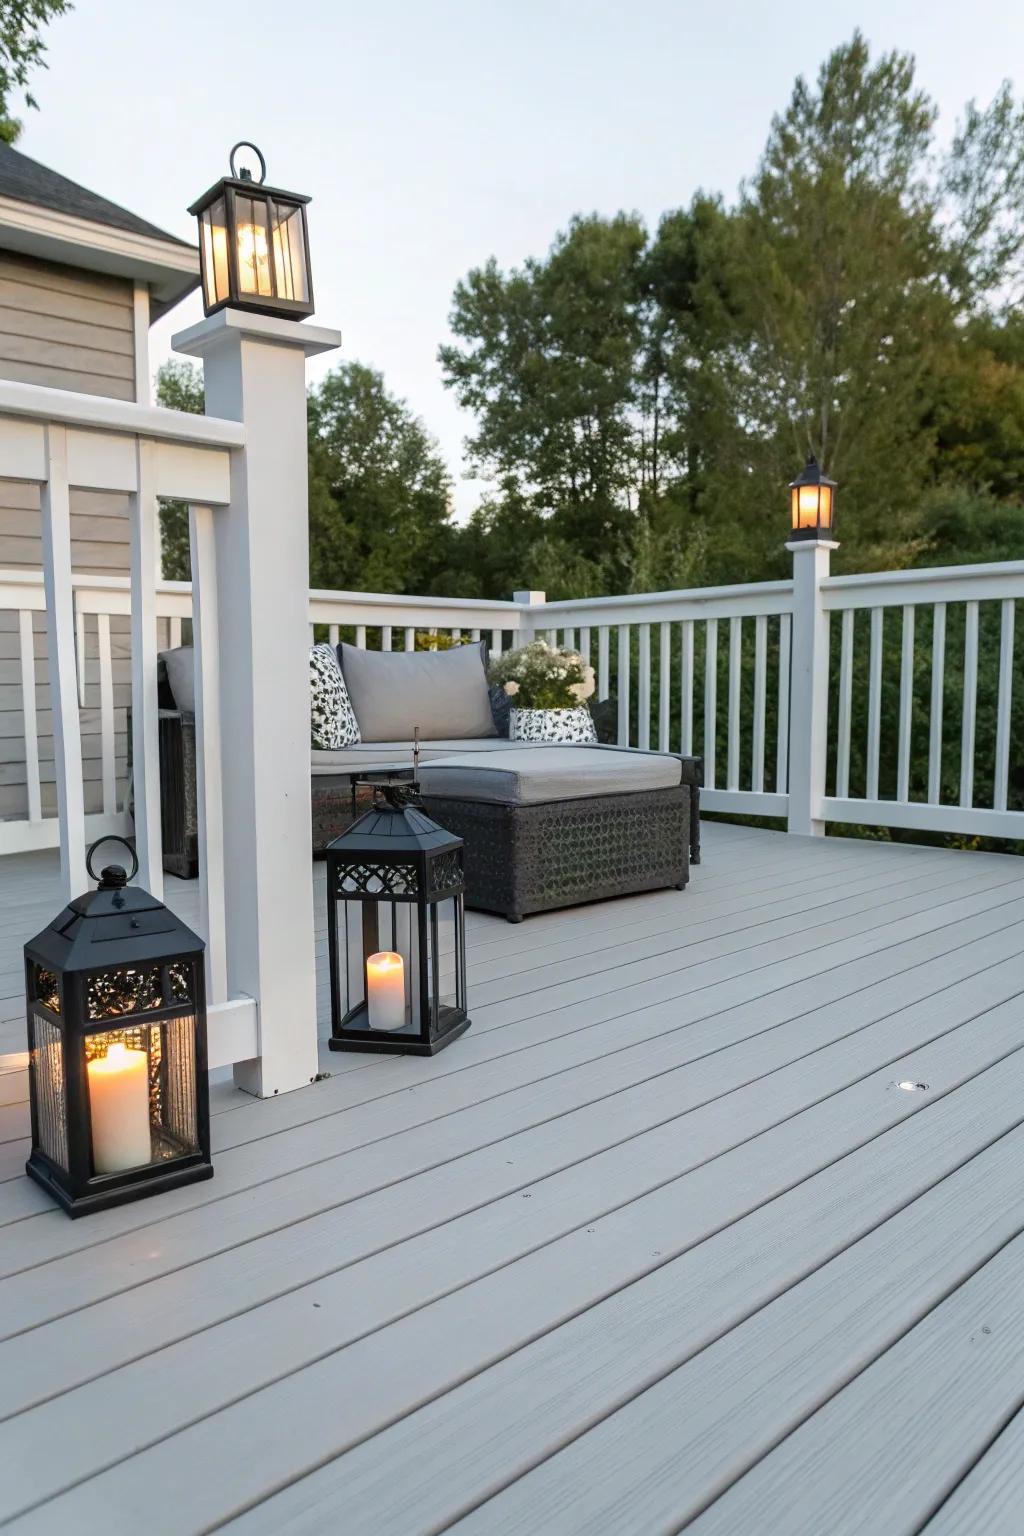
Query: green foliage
[[379, 493], [21, 51], [179, 387]]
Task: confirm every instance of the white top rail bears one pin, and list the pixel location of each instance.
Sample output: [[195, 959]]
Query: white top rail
[[938, 584], [37, 402]]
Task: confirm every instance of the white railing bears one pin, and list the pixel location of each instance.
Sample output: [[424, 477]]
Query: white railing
[[938, 758], [706, 672], [62, 443]]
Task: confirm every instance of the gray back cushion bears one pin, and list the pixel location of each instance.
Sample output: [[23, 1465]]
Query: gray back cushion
[[181, 676], [443, 692]]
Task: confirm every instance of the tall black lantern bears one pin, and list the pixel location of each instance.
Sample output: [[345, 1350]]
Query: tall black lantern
[[254, 245], [397, 934], [117, 1049], [812, 503]]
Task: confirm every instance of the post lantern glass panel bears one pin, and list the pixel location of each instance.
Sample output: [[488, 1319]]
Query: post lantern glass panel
[[289, 247], [117, 1051], [213, 230], [252, 236], [396, 924]]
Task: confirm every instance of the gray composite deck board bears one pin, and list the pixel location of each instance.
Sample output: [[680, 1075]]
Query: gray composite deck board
[[657, 1241]]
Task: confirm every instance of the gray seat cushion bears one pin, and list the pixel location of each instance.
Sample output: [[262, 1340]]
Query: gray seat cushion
[[398, 754], [535, 774], [442, 692]]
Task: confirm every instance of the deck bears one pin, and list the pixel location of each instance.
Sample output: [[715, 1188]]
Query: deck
[[659, 1244]]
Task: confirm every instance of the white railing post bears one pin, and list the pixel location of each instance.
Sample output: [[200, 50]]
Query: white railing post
[[145, 726], [60, 634], [527, 626], [808, 700], [255, 373]]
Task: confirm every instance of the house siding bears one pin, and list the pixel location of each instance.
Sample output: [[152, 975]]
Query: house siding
[[75, 330]]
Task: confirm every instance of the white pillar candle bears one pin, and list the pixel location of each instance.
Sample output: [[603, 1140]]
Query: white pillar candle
[[385, 990], [119, 1109]]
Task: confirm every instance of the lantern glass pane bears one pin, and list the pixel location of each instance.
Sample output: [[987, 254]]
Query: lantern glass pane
[[214, 235], [367, 928], [825, 505], [142, 1093], [46, 1064], [444, 934], [289, 252], [805, 506], [252, 241]]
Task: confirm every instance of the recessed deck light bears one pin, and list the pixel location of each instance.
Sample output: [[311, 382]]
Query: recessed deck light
[[909, 1086]]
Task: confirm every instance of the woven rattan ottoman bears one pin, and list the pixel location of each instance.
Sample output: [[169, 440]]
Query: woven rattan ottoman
[[548, 827]]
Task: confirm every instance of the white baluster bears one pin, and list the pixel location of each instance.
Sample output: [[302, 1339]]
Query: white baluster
[[845, 706], [732, 780], [60, 630], [760, 695], [603, 667], [938, 694], [686, 689], [970, 704], [710, 699], [1002, 766], [145, 729], [622, 682], [107, 741], [664, 684], [644, 688], [782, 743], [26, 637], [874, 703], [209, 765], [906, 705]]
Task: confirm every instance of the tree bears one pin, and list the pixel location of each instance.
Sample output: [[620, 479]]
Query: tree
[[379, 492], [180, 387], [21, 51], [548, 361]]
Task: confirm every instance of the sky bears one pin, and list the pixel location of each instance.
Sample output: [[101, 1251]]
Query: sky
[[433, 134]]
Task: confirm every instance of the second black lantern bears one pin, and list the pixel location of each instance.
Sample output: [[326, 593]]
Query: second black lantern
[[396, 925]]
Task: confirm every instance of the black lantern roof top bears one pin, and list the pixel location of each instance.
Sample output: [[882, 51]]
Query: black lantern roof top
[[112, 926], [393, 825], [811, 474], [242, 181]]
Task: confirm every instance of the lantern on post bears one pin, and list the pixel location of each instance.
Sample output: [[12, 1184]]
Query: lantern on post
[[117, 1049], [254, 245], [812, 497], [396, 930]]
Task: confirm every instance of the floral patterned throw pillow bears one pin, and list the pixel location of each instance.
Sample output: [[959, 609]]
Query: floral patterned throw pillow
[[333, 722]]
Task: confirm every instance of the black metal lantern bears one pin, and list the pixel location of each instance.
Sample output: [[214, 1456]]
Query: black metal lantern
[[117, 1049], [397, 932], [812, 503], [254, 245]]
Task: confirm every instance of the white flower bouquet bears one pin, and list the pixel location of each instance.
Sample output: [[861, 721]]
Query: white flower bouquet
[[548, 688], [542, 676]]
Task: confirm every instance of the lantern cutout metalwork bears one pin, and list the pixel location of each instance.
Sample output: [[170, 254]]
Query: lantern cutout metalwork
[[254, 245], [397, 933], [117, 1048], [812, 503]]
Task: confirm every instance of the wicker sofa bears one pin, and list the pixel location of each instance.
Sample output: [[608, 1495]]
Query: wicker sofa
[[331, 780]]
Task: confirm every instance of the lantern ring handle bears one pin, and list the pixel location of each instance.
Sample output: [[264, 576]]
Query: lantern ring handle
[[248, 144], [113, 838]]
